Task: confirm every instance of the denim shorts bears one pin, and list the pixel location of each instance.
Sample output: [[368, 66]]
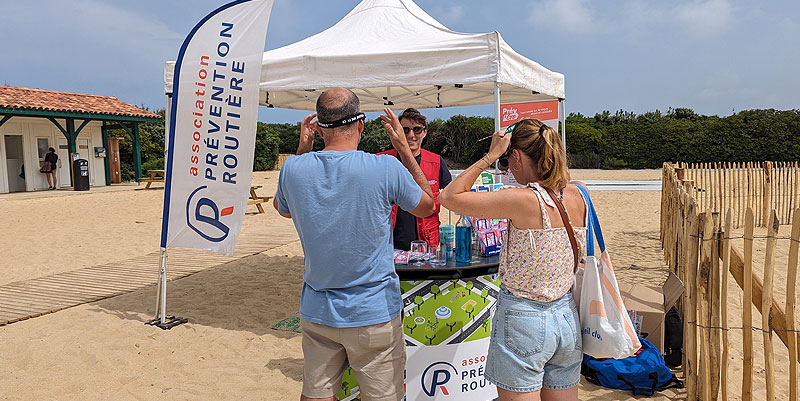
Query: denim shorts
[[534, 344]]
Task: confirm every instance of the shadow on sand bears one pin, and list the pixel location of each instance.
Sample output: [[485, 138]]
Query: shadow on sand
[[248, 294]]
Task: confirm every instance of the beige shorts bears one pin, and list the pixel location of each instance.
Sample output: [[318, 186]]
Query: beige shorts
[[377, 354]]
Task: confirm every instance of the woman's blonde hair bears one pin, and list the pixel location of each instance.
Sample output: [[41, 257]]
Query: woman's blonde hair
[[543, 145]]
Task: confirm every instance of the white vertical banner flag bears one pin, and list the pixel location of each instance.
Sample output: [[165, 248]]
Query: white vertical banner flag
[[209, 165]]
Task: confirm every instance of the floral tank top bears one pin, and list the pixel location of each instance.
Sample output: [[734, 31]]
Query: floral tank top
[[538, 264]]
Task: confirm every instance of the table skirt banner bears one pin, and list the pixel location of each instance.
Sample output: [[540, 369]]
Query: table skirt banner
[[447, 324]]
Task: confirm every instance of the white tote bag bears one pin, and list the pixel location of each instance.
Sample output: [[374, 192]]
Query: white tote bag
[[606, 328]]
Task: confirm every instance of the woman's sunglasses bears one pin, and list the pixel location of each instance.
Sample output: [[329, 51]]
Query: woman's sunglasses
[[417, 130]]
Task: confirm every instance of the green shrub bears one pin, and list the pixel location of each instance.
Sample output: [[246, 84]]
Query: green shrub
[[584, 160], [619, 140], [289, 134], [614, 163], [267, 145], [436, 141], [461, 136], [154, 164], [374, 139]]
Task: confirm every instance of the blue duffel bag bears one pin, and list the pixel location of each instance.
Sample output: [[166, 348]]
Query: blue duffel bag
[[643, 373]]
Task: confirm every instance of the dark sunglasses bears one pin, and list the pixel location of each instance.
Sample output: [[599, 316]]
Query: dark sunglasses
[[502, 162], [417, 130]]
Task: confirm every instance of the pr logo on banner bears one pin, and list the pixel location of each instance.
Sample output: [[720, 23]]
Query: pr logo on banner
[[436, 376], [203, 216], [445, 372]]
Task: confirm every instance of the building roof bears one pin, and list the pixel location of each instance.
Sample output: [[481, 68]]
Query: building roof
[[55, 101]]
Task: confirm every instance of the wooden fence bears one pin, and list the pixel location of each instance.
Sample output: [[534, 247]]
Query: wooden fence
[[761, 186], [281, 159], [700, 247]]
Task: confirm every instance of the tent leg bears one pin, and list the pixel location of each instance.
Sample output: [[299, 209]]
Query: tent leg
[[497, 106], [162, 320], [563, 104], [496, 112]]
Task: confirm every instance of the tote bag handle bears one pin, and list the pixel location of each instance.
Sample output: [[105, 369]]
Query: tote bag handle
[[593, 225]]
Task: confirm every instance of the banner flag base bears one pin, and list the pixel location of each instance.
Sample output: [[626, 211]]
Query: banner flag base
[[167, 323], [161, 319]]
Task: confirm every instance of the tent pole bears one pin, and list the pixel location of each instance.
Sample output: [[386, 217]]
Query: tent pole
[[563, 103], [497, 106], [496, 113]]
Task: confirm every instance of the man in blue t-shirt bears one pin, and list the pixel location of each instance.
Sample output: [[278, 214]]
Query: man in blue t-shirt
[[340, 200]]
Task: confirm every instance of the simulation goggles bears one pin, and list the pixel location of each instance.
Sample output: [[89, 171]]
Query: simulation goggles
[[502, 162], [342, 122]]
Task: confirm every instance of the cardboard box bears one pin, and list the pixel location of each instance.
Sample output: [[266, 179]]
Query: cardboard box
[[652, 303]]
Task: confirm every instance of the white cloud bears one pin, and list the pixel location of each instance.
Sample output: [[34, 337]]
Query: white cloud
[[639, 15], [707, 17], [448, 15], [78, 26], [632, 18], [570, 16]]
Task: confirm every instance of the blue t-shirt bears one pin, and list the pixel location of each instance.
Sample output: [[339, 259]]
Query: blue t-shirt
[[341, 205]]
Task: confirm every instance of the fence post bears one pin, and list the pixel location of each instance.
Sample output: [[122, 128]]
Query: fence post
[[714, 301], [766, 304], [791, 294], [747, 307], [704, 320], [726, 260], [767, 206], [742, 194], [796, 191], [690, 306]]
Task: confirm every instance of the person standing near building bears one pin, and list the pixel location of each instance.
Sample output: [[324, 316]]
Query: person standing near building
[[407, 227], [340, 200], [49, 168]]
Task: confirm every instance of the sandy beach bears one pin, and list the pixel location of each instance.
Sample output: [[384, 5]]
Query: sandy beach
[[227, 351]]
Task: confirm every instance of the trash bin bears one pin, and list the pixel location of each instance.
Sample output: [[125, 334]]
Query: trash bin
[[80, 175]]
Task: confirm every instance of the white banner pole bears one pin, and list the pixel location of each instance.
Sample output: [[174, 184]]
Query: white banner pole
[[211, 128], [162, 273], [163, 286]]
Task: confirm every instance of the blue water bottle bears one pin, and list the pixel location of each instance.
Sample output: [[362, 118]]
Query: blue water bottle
[[463, 240]]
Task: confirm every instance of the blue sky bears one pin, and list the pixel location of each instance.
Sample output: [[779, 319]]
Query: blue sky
[[714, 56]]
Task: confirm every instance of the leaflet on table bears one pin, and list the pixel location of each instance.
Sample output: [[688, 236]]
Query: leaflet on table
[[490, 233], [403, 257]]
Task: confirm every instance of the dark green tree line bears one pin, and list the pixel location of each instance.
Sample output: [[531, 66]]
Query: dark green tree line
[[605, 140]]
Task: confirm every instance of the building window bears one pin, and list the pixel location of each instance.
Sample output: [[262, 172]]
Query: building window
[[43, 144]]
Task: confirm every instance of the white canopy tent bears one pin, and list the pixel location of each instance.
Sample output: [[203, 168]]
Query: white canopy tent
[[391, 53]]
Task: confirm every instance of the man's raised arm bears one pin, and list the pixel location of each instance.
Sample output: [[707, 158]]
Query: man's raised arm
[[392, 125]]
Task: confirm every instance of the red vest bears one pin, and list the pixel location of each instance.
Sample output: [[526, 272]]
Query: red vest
[[427, 227]]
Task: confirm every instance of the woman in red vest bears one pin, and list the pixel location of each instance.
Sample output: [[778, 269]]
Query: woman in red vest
[[406, 227]]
